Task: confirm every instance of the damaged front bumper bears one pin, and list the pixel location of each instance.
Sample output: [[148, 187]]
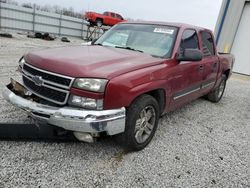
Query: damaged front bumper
[[69, 118]]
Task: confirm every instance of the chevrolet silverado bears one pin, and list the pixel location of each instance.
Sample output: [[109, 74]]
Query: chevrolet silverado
[[122, 83]]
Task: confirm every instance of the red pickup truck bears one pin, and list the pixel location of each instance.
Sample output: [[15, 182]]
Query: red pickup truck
[[122, 83], [107, 18]]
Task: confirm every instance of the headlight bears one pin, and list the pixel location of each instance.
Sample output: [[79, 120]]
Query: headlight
[[91, 84], [21, 62], [84, 102]]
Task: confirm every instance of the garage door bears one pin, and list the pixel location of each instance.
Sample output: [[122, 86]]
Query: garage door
[[241, 45]]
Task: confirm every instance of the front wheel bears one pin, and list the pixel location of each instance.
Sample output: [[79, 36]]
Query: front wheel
[[141, 123], [217, 93]]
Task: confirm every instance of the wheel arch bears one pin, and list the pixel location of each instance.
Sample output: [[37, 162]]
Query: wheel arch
[[158, 94], [98, 18], [227, 73]]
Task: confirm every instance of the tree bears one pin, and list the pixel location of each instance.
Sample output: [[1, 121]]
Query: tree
[[48, 8], [57, 9], [12, 2], [27, 5]]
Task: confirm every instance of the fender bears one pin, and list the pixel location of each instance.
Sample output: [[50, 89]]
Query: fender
[[123, 89], [124, 96]]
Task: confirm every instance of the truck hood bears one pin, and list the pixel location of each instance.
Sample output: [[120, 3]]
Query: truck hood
[[90, 61]]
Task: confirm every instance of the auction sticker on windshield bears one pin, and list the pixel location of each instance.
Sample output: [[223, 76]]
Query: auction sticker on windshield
[[164, 30]]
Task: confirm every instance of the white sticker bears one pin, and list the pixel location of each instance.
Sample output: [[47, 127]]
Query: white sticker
[[164, 30]]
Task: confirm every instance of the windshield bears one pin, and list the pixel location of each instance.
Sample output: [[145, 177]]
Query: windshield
[[156, 40]]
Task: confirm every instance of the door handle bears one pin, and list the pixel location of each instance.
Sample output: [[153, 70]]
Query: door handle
[[201, 67], [215, 65]]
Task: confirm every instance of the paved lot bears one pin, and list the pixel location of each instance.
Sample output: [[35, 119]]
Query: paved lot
[[200, 145]]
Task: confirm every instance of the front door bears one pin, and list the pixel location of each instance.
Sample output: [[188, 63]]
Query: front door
[[186, 77]]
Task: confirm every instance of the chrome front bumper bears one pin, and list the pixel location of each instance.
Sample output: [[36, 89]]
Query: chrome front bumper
[[73, 119]]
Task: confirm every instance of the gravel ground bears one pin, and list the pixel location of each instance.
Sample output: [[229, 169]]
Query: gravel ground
[[200, 145]]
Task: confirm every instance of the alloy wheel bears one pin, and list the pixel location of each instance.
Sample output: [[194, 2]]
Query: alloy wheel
[[145, 124]]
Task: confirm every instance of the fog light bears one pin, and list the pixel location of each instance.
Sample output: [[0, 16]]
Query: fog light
[[89, 103], [76, 99]]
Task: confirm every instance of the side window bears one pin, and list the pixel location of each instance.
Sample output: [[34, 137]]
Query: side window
[[189, 40], [119, 16], [113, 15], [207, 43], [106, 13]]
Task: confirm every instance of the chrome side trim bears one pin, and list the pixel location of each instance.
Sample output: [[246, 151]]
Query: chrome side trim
[[186, 93], [207, 84], [194, 89]]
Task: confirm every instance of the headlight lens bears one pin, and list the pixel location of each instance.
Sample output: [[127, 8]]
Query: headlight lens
[[21, 62], [91, 84], [84, 102]]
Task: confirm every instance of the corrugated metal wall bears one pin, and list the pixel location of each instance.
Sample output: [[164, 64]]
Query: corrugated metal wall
[[228, 22], [25, 19], [232, 33]]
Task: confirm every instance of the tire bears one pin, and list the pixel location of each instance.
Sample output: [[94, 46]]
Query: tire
[[99, 22], [141, 123], [216, 95], [91, 23], [38, 35]]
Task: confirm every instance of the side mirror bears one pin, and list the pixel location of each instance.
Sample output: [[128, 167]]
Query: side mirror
[[190, 55]]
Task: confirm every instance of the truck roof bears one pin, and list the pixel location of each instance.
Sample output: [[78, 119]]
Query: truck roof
[[175, 24]]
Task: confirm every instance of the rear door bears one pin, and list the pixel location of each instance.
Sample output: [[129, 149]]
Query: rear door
[[210, 61], [186, 76]]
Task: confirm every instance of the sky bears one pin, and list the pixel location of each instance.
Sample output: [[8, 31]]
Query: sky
[[202, 13]]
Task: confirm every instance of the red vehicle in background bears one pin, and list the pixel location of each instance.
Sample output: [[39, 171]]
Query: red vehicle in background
[[107, 18]]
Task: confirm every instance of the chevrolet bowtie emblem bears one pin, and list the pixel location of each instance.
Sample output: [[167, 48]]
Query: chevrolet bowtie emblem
[[38, 80]]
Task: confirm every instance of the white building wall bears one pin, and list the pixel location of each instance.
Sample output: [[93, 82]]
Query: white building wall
[[227, 32]]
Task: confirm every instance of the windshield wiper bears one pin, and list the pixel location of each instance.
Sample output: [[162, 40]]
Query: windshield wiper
[[129, 48]]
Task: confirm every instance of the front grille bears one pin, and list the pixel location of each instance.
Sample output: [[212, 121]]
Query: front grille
[[47, 76], [52, 87], [45, 92]]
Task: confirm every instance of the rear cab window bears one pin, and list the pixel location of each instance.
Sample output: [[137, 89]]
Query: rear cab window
[[207, 44], [119, 16]]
